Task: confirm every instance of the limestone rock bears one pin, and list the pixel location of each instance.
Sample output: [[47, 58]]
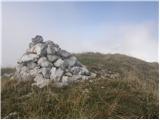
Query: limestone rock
[[28, 57], [39, 49], [53, 73], [40, 81], [35, 71], [31, 65], [75, 70], [56, 74], [45, 72], [18, 67], [51, 50], [59, 63], [64, 54], [46, 61], [68, 74], [52, 58], [24, 74], [43, 62], [37, 39], [75, 78], [65, 80], [70, 61]]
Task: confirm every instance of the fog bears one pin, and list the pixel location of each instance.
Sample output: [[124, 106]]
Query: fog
[[74, 33]]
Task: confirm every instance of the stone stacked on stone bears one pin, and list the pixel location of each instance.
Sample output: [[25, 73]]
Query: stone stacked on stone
[[46, 62]]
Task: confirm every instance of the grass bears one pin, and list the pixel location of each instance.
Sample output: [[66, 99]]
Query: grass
[[7, 70], [134, 94]]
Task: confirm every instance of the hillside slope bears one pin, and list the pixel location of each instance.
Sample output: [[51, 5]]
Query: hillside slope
[[125, 87]]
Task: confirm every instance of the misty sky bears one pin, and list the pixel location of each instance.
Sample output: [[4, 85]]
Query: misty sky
[[129, 28]]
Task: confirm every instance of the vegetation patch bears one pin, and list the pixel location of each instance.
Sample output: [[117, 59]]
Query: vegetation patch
[[133, 93]]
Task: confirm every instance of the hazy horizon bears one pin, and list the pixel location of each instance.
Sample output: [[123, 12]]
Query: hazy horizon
[[129, 28]]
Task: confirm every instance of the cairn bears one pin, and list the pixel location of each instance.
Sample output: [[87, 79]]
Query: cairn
[[46, 62]]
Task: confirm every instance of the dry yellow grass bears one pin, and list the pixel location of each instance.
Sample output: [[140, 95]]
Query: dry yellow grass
[[133, 94]]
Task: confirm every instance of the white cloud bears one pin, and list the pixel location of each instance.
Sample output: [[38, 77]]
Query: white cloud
[[131, 39], [138, 40]]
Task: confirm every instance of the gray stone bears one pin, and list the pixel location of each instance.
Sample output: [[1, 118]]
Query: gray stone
[[52, 58], [35, 71], [45, 72], [28, 58], [68, 74], [51, 50], [80, 70], [64, 54], [39, 49], [46, 64], [43, 62], [31, 65], [37, 39], [57, 74], [49, 42], [59, 63], [18, 67], [76, 70], [40, 81], [24, 69], [75, 78], [78, 64], [70, 61], [65, 80], [24, 74], [53, 73]]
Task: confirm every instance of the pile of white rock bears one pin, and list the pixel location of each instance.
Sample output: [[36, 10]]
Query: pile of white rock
[[46, 62]]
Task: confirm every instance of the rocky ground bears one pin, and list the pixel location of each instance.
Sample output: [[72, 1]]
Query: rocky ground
[[124, 87]]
